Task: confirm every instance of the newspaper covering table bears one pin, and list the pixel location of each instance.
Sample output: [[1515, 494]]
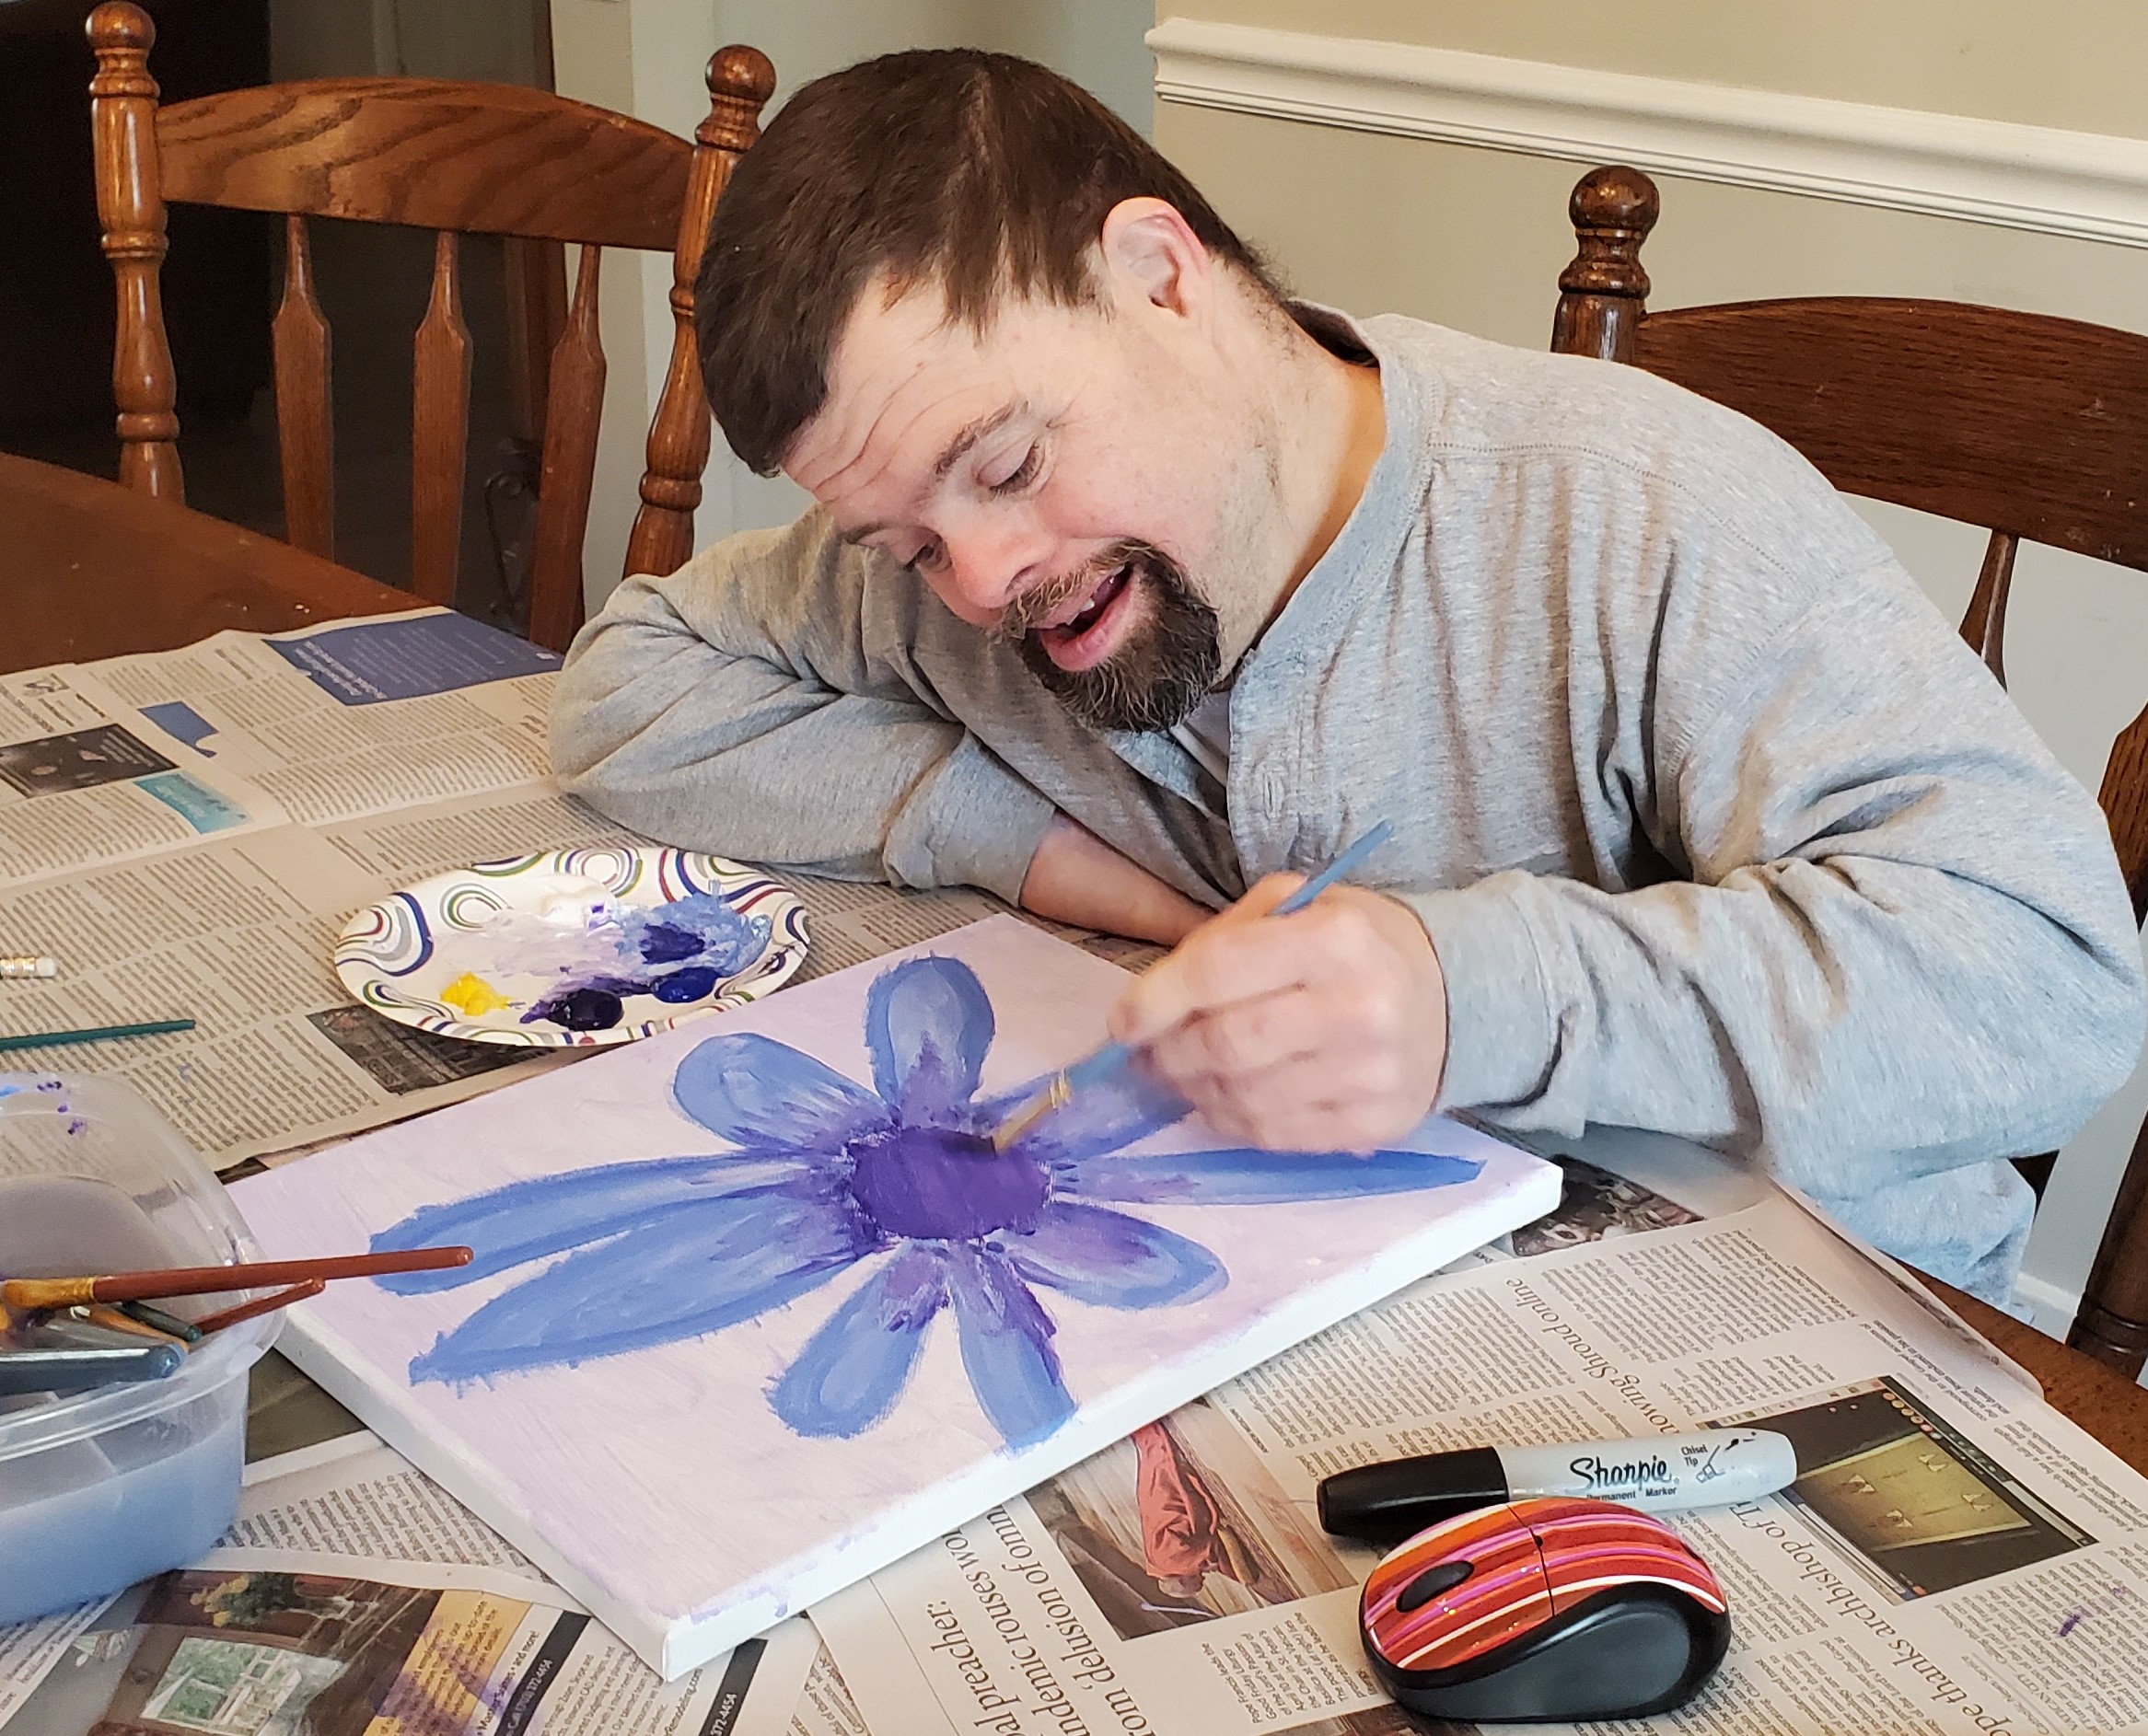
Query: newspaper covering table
[[187, 831], [1955, 1556]]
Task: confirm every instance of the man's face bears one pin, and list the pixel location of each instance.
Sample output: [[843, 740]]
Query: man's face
[[1089, 482]]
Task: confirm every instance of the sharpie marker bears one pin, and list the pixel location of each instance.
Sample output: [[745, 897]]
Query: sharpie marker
[[1382, 1504]]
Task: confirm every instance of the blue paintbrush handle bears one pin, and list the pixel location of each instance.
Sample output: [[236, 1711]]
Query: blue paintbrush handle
[[1110, 1060], [1335, 870], [1095, 1068]]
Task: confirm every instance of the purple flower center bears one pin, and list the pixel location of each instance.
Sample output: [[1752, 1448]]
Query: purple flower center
[[936, 1185]]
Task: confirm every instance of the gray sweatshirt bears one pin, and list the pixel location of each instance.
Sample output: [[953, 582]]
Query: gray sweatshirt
[[1716, 826]]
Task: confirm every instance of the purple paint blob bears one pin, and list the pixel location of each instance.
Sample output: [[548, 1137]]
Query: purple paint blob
[[936, 1183]]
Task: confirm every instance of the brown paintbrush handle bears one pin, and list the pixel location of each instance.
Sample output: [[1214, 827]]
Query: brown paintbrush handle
[[200, 1280], [259, 1305]]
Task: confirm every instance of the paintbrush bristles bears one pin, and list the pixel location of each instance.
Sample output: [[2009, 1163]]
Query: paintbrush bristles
[[1053, 1096]]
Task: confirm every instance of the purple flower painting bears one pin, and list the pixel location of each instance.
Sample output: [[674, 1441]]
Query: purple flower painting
[[901, 1179]]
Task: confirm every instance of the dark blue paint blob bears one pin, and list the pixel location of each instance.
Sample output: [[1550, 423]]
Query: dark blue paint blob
[[683, 986], [580, 1010], [664, 943]]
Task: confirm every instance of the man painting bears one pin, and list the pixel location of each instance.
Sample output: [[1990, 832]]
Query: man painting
[[1134, 589]]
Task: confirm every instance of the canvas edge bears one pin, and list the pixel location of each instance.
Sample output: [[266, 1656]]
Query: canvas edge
[[330, 1362]]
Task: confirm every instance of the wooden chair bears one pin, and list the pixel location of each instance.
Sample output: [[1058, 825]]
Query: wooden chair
[[2021, 423], [458, 158]]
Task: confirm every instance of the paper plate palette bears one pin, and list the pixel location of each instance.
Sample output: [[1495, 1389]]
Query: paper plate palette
[[574, 947]]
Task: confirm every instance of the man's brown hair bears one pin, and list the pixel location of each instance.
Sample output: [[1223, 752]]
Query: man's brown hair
[[985, 175]]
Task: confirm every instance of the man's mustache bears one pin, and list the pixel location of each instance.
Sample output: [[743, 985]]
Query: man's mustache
[[1044, 599]]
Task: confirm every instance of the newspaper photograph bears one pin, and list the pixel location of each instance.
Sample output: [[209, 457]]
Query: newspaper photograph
[[353, 1597], [1954, 1557]]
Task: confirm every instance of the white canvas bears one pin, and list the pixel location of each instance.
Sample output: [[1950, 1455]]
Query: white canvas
[[705, 1375]]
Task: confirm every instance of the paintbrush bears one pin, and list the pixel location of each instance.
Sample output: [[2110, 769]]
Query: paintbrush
[[200, 1280], [65, 1369], [259, 1305], [1112, 1058]]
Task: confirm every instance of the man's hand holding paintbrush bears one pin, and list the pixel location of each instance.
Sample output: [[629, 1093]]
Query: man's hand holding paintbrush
[[1321, 1028], [1326, 1030]]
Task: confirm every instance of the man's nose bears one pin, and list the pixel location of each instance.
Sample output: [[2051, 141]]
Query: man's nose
[[987, 568]]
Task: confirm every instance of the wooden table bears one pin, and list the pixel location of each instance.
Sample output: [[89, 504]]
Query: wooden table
[[91, 570]]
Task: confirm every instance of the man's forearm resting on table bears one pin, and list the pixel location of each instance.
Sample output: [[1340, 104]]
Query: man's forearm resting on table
[[1076, 877]]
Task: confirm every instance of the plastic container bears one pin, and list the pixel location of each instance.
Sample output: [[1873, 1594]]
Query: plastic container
[[101, 1488]]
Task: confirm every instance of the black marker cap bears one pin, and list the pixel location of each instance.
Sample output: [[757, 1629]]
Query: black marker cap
[[1382, 1504]]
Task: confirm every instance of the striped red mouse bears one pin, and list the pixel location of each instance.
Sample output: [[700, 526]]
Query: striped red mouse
[[1556, 1609]]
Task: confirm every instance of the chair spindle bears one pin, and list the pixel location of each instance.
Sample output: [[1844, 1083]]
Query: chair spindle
[[741, 81], [130, 208], [1984, 625], [439, 429], [2112, 1325], [305, 428], [573, 405]]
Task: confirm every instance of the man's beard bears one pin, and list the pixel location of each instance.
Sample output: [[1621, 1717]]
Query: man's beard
[[1166, 665]]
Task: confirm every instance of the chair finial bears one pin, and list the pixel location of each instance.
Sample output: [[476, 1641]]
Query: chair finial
[[1604, 291], [742, 72], [741, 80], [119, 24]]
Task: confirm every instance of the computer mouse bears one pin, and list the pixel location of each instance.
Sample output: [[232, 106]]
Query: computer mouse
[[1543, 1611]]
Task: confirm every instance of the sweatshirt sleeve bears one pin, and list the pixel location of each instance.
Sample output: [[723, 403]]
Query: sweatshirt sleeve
[[1899, 942], [760, 702]]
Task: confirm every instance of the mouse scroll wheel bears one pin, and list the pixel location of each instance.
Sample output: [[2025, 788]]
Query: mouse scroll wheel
[[1432, 1582]]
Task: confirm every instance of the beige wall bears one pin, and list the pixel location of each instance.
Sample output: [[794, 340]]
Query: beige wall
[[1476, 238], [2073, 64]]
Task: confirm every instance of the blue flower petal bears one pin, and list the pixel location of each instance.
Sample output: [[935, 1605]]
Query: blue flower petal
[[547, 1214], [1244, 1177], [851, 1371], [1098, 1256], [672, 1277], [1101, 1117], [928, 1024], [768, 1096], [1006, 1345]]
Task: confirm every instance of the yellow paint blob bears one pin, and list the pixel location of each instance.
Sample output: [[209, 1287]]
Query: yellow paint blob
[[474, 997]]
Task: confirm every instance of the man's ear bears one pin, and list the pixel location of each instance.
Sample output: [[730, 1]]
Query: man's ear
[[1148, 251]]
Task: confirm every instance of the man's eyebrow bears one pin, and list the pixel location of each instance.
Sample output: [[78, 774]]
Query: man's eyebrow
[[968, 437], [949, 457]]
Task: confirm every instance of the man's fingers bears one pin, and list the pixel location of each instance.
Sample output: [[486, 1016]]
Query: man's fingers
[[1233, 958], [1311, 1105], [1246, 1037]]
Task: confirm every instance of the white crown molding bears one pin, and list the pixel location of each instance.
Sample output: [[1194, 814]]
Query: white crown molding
[[2045, 178]]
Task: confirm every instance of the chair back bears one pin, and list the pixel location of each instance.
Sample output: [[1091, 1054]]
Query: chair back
[[2027, 425], [458, 159]]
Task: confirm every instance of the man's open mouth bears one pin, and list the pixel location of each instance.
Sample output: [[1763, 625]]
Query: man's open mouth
[[1080, 636]]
